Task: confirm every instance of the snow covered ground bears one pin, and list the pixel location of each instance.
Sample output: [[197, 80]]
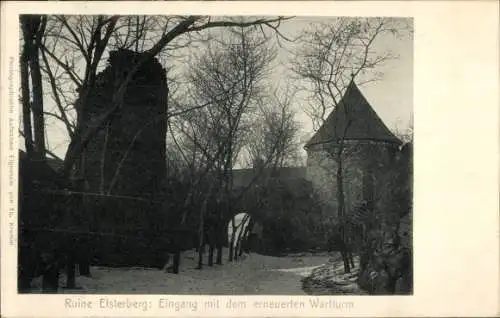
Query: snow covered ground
[[253, 274], [330, 279]]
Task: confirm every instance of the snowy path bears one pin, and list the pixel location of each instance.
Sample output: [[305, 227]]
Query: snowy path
[[255, 274]]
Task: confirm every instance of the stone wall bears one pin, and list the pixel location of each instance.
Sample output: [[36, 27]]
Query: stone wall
[[130, 151], [386, 250], [134, 131], [360, 160]]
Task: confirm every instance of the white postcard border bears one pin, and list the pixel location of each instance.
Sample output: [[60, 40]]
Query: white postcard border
[[456, 161]]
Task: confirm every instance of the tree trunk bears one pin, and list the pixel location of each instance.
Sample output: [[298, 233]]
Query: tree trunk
[[33, 29], [37, 106], [236, 253], [38, 29], [351, 258], [211, 242], [246, 237], [341, 209], [241, 236], [201, 229], [219, 228], [211, 249], [176, 261], [219, 254], [345, 261], [84, 255], [340, 188], [231, 241], [240, 248], [25, 95], [201, 242], [228, 168], [235, 248], [70, 271], [220, 242], [50, 280], [344, 251], [84, 268]]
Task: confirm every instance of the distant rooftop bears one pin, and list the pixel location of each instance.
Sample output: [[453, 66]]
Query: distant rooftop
[[243, 177]]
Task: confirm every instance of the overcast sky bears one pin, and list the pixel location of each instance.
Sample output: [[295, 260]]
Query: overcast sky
[[391, 97]]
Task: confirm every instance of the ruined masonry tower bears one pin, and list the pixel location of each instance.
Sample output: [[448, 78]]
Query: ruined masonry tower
[[136, 130]]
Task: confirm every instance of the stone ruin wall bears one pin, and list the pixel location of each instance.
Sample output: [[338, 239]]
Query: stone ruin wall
[[133, 209], [143, 172], [144, 169]]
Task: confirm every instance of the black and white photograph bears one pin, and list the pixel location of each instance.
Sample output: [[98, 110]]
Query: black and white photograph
[[215, 155]]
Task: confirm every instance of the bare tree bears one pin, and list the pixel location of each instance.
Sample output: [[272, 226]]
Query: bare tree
[[405, 134], [73, 51], [33, 29], [275, 130], [76, 46], [229, 76], [329, 55], [328, 58]]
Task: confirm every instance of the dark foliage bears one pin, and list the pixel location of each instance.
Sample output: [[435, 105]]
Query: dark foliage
[[289, 214], [386, 257]]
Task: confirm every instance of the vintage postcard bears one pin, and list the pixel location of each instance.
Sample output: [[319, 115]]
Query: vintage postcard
[[249, 159]]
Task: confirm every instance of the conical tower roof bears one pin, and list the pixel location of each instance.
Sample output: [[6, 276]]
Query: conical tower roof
[[353, 119]]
